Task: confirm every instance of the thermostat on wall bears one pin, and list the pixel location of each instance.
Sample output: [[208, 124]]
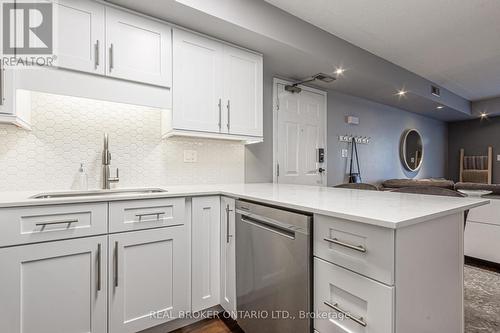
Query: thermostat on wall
[[352, 120]]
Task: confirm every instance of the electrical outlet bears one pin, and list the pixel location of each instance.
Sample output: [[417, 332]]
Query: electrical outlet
[[345, 153], [190, 156]]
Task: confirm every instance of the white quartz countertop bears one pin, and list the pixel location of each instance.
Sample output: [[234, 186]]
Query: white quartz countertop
[[385, 209]]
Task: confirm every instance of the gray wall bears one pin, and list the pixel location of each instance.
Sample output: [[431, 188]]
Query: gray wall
[[379, 160], [474, 136]]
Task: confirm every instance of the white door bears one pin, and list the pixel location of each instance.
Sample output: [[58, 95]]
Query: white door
[[300, 125], [198, 83], [205, 269], [80, 36], [54, 287], [148, 279], [243, 92], [138, 49], [228, 255]]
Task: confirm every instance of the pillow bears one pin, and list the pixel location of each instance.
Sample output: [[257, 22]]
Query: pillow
[[437, 182], [495, 188]]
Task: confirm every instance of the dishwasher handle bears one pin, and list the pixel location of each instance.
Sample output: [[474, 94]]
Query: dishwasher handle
[[282, 229]]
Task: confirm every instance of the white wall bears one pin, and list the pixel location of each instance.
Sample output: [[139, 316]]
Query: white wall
[[69, 130]]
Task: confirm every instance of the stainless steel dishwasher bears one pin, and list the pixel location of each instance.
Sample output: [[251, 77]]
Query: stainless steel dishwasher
[[273, 269]]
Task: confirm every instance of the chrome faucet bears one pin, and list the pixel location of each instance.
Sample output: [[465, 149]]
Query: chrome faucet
[[106, 160]]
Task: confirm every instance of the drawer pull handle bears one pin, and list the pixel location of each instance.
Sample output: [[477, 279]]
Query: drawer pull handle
[[43, 224], [140, 216], [359, 248], [357, 320]]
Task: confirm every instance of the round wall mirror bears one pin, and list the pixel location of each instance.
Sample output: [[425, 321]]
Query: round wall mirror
[[412, 150]]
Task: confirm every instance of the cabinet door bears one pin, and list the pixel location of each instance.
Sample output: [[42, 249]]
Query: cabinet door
[[80, 41], [138, 49], [205, 252], [149, 278], [197, 75], [7, 92], [349, 302], [55, 287], [228, 256], [243, 87]]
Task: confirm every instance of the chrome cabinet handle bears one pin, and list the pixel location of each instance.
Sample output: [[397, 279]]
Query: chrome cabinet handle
[[43, 224], [359, 248], [157, 214], [116, 264], [96, 54], [357, 320], [228, 115], [228, 236], [2, 84], [220, 113], [99, 267], [111, 58]]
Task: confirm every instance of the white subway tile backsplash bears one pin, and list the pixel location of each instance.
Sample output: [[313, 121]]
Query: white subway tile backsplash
[[68, 131]]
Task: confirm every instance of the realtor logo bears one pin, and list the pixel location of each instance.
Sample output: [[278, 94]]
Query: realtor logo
[[27, 28]]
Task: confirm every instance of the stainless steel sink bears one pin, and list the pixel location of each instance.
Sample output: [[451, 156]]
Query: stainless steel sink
[[75, 194]]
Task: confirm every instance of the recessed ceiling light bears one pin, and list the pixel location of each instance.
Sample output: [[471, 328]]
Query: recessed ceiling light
[[440, 107], [401, 92], [483, 115], [339, 71]]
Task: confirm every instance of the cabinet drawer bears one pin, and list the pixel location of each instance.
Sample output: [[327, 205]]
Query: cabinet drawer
[[46, 223], [365, 249], [482, 241], [350, 303], [486, 214], [145, 214]]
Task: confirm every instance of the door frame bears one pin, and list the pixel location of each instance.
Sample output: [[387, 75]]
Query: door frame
[[276, 82]]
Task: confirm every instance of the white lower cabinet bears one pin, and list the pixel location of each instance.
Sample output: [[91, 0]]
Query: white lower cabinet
[[55, 287], [482, 233], [228, 256], [352, 302], [149, 278], [205, 249]]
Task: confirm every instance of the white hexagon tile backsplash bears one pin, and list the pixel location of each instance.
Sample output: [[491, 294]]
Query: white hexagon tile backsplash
[[68, 131]]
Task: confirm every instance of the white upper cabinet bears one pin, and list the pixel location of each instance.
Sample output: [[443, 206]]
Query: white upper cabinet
[[217, 89], [138, 49], [197, 81], [243, 80], [80, 36]]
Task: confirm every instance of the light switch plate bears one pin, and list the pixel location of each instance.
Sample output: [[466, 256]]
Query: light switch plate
[[345, 153], [498, 158], [190, 156]]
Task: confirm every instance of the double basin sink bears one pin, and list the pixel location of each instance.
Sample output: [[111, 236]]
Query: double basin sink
[[75, 194]]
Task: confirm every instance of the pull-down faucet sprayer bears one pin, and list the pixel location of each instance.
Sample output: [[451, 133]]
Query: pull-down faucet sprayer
[[106, 161]]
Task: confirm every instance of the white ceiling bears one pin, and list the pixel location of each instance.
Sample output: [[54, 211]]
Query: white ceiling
[[454, 43]]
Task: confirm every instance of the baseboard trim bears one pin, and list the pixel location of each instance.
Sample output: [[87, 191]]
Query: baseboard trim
[[484, 264], [180, 323]]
